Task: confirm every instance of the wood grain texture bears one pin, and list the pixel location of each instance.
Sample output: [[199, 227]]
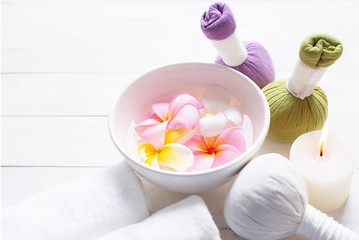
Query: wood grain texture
[[57, 141], [64, 63], [89, 94], [78, 36], [62, 94]]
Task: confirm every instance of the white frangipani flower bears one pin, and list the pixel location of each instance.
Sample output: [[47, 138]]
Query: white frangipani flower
[[218, 114]]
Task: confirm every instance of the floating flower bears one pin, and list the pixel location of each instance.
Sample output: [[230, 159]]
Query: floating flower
[[181, 113], [210, 152], [170, 156], [218, 115], [167, 137]]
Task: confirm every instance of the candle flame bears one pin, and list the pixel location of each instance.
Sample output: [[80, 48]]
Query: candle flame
[[323, 139], [321, 148]]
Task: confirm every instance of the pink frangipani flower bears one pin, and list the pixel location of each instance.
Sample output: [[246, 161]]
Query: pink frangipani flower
[[210, 152], [181, 113]]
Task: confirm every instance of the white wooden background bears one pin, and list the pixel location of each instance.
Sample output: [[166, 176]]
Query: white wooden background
[[65, 61]]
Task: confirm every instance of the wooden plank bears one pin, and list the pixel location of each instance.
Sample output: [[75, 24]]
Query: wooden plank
[[19, 183], [109, 36], [93, 93], [120, 36], [62, 94], [57, 141]]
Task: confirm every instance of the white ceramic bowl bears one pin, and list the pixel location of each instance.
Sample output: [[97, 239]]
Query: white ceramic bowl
[[135, 100]]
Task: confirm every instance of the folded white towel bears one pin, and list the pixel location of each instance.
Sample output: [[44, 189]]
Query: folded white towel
[[85, 208], [186, 219]]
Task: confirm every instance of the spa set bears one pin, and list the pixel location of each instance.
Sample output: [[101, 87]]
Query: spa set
[[193, 127]]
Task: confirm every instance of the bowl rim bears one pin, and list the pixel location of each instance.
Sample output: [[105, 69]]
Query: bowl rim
[[253, 147]]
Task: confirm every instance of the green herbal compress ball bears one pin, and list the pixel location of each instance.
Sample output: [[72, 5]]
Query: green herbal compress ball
[[292, 116], [320, 50], [296, 104]]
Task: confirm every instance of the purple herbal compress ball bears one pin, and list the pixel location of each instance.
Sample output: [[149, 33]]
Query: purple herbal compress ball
[[250, 58], [258, 65]]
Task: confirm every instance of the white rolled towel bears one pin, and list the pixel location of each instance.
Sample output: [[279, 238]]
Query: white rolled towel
[[186, 219], [85, 208]]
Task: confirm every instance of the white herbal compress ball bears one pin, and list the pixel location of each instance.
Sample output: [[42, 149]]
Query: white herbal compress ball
[[268, 200], [255, 205]]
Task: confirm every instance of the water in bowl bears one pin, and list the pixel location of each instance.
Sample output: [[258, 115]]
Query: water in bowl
[[202, 94]]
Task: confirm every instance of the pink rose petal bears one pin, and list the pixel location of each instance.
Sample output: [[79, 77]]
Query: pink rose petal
[[224, 154], [187, 117], [161, 109], [156, 135], [213, 125], [197, 143], [180, 101], [232, 136], [215, 98], [202, 161]]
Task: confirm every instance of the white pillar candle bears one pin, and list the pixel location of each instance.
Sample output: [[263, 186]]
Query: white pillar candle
[[327, 174]]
